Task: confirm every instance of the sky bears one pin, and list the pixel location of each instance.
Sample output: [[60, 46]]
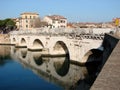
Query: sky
[[73, 10]]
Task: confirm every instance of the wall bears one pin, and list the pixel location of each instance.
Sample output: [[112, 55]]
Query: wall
[[108, 79]]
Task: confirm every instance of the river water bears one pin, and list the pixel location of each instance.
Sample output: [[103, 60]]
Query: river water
[[21, 69]]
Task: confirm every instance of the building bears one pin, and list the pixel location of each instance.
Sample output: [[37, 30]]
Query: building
[[56, 21], [26, 20], [87, 25], [108, 25], [17, 21]]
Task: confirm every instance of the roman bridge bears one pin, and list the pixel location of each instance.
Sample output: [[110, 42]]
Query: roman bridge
[[77, 46]]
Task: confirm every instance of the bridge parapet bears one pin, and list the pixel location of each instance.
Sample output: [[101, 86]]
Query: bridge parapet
[[68, 35]]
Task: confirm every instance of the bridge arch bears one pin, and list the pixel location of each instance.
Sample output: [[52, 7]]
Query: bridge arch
[[23, 42], [14, 40], [92, 55], [60, 48], [37, 44]]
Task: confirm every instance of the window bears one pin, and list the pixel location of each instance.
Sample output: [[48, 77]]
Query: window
[[34, 17], [63, 26], [30, 17], [26, 26], [58, 21], [26, 21], [53, 21], [26, 17], [62, 21]]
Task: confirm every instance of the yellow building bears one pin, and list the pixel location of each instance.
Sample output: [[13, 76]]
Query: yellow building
[[26, 20], [117, 22]]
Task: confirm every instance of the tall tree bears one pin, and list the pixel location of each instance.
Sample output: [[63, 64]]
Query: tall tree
[[37, 23]]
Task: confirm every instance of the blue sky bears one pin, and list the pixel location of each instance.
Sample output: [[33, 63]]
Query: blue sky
[[73, 10]]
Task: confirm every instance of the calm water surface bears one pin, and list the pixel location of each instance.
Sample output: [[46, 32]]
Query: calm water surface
[[21, 69]]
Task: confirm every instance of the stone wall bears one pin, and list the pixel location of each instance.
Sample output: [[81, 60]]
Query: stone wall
[[96, 61], [109, 77], [4, 39], [109, 43]]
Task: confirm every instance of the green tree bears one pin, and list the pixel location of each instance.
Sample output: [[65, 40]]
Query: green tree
[[2, 23], [10, 22], [7, 25]]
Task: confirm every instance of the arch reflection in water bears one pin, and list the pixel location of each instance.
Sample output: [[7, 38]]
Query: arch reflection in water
[[38, 59], [23, 52], [61, 65]]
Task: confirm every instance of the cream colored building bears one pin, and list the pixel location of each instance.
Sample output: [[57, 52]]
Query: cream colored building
[[26, 20], [56, 21]]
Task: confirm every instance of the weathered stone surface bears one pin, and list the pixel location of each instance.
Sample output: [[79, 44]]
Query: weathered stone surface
[[4, 39]]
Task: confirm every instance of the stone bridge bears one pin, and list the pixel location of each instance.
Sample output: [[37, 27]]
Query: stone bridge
[[77, 46]]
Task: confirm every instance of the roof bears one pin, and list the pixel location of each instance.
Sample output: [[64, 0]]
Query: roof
[[31, 13], [56, 17]]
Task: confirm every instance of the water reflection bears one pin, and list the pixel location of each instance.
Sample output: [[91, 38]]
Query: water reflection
[[4, 54], [57, 70]]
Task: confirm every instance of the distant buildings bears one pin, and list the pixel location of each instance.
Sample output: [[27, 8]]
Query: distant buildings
[[92, 25], [108, 25], [29, 20], [86, 25], [56, 21]]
